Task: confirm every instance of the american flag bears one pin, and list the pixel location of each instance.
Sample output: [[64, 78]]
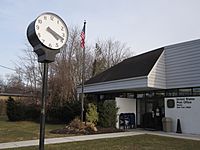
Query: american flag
[[83, 36]]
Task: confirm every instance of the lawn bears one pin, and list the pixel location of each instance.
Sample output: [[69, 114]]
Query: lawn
[[26, 130], [138, 142], [23, 130]]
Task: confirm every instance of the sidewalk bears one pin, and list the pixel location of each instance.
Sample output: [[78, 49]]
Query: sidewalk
[[195, 137], [67, 139], [96, 136]]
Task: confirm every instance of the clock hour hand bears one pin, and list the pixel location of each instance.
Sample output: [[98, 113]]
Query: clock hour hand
[[54, 34]]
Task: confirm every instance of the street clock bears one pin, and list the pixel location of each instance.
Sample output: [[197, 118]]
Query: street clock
[[47, 34]]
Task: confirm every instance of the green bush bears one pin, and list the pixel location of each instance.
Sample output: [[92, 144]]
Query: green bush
[[53, 114], [14, 110], [17, 111], [63, 114], [92, 114], [71, 110], [11, 109], [32, 112], [107, 113]]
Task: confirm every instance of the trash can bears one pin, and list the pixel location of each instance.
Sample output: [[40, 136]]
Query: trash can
[[167, 124]]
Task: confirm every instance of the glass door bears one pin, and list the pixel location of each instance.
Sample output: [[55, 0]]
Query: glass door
[[152, 117]]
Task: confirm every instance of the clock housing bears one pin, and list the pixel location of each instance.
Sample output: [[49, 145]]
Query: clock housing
[[47, 34]]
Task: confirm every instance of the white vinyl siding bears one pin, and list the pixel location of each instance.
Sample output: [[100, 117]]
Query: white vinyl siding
[[182, 65], [156, 77]]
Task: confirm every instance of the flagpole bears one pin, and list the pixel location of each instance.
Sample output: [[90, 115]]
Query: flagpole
[[83, 78]]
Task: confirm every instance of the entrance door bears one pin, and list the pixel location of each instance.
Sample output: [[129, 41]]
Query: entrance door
[[151, 116]]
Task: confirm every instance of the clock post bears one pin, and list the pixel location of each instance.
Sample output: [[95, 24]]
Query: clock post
[[47, 34]]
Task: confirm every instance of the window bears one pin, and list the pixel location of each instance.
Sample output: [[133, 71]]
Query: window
[[172, 92], [140, 95], [150, 94], [160, 93], [185, 92], [196, 91], [130, 95]]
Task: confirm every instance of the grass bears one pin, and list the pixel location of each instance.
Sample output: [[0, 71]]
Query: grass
[[138, 142], [24, 130]]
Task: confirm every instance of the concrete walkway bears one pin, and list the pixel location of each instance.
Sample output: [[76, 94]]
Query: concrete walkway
[[97, 136], [67, 139], [195, 137]]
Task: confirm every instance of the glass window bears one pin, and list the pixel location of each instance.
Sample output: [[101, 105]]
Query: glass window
[[130, 95], [196, 91], [160, 93], [172, 92], [185, 92], [140, 95], [149, 94]]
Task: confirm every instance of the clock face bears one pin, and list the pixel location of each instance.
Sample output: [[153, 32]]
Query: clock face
[[51, 30]]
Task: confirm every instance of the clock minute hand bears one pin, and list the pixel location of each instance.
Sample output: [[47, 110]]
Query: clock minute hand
[[52, 33], [55, 35], [60, 37]]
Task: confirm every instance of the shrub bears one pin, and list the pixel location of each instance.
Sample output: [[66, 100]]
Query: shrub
[[107, 113], [32, 112], [54, 114], [14, 110], [76, 123], [17, 111], [11, 109], [65, 113], [92, 114], [71, 110]]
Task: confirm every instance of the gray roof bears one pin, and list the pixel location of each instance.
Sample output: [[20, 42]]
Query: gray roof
[[136, 66]]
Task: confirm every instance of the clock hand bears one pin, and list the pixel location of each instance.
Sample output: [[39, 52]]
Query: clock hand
[[60, 37], [55, 35]]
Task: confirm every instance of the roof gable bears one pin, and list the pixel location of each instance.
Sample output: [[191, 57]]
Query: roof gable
[[136, 66]]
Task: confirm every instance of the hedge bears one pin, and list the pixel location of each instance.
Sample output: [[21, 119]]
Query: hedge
[[107, 113], [17, 111]]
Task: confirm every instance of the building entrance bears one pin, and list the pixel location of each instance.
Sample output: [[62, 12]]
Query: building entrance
[[150, 111]]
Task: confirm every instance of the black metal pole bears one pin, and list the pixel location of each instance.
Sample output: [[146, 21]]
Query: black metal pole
[[82, 89], [83, 80], [42, 115]]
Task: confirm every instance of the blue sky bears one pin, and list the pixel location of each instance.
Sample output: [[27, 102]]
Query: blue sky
[[142, 24]]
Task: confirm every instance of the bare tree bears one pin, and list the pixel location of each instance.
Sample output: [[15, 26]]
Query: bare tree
[[14, 84], [29, 70], [108, 53], [2, 85], [66, 72]]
